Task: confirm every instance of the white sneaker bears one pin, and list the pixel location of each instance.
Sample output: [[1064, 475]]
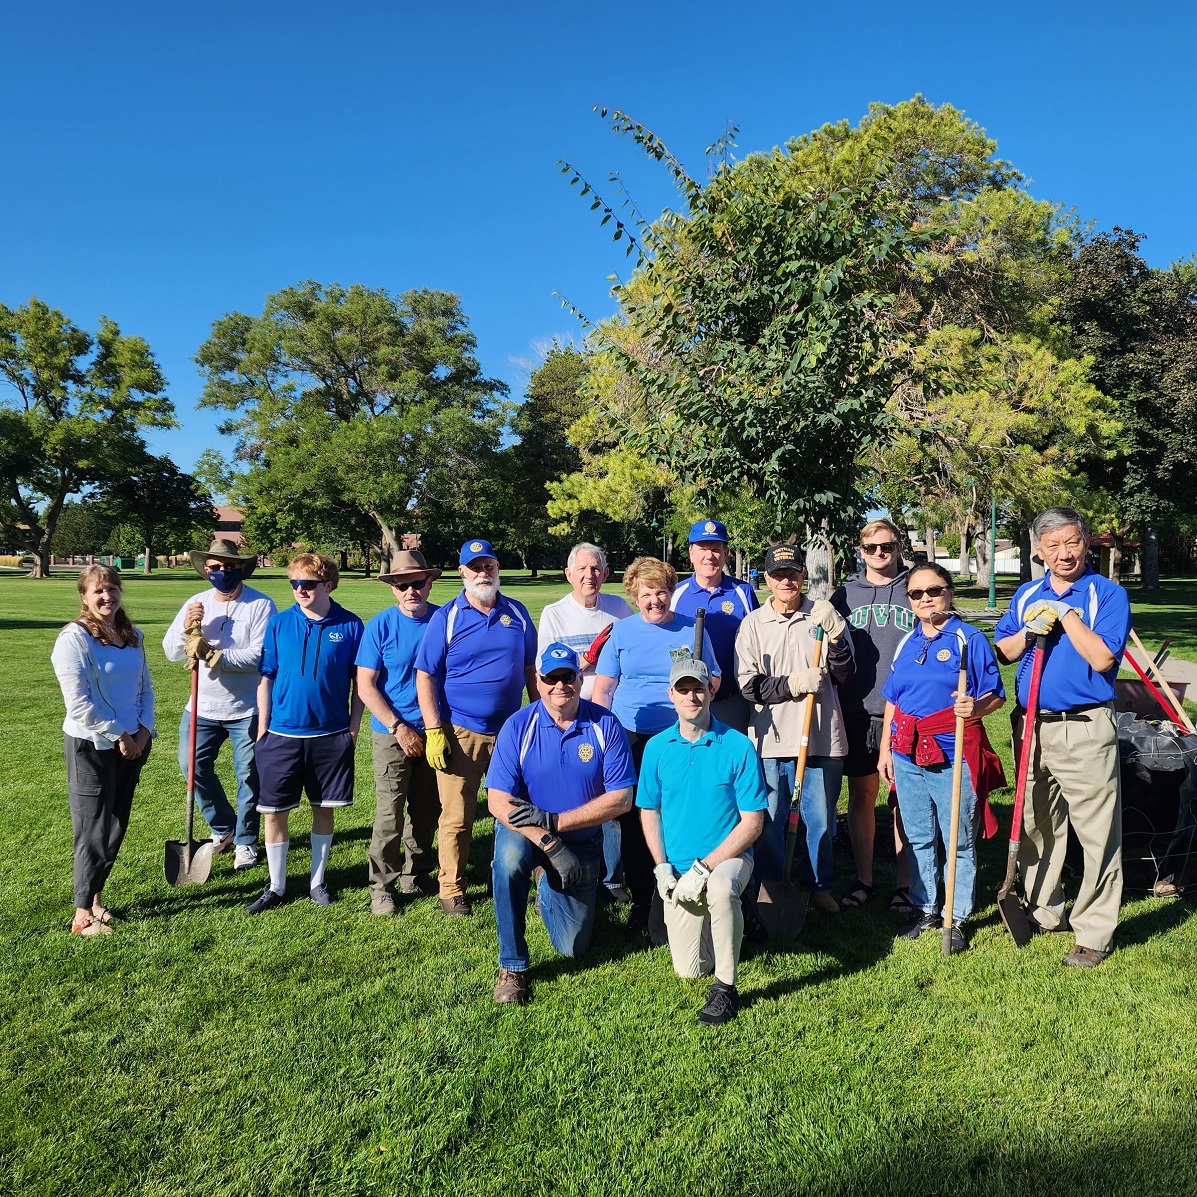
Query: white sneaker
[[245, 857], [222, 843]]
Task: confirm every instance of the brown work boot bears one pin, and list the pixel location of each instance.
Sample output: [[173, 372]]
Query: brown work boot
[[383, 904], [1081, 957], [458, 907], [824, 904], [512, 987]]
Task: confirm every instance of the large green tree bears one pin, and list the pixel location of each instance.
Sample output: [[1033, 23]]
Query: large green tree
[[71, 410]]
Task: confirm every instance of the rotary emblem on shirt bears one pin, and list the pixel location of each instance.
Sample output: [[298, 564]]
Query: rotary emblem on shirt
[[585, 752], [505, 620], [728, 607], [944, 654]]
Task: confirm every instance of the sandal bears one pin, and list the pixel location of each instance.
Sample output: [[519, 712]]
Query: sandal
[[102, 914], [92, 926], [857, 896], [900, 903]]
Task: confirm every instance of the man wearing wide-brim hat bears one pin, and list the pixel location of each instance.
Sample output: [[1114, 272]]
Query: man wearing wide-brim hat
[[221, 630], [406, 801]]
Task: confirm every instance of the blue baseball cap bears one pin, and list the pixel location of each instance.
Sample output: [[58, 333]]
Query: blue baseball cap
[[558, 656], [708, 530], [473, 549]]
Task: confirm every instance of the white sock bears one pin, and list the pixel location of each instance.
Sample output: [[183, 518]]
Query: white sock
[[276, 861], [321, 847]]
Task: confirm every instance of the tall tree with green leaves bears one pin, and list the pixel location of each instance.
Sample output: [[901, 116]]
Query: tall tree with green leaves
[[71, 409]]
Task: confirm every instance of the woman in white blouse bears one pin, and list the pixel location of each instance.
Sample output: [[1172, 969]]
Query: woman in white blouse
[[100, 664]]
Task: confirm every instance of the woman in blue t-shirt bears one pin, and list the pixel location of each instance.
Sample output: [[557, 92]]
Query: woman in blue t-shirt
[[917, 742]]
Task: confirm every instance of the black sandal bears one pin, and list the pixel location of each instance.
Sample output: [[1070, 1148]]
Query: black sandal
[[857, 896], [900, 903]]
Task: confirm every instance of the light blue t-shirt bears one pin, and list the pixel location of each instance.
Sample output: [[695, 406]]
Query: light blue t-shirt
[[637, 653], [389, 646], [700, 788]]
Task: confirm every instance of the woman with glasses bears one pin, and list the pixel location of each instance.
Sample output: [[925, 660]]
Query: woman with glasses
[[406, 801], [918, 743]]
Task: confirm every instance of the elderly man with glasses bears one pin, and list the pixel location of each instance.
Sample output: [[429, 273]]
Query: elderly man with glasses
[[406, 801], [561, 768]]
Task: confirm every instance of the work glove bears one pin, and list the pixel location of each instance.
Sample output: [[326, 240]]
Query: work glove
[[198, 649], [436, 748], [565, 864], [596, 645], [690, 887], [829, 619], [524, 814], [805, 681], [666, 876], [1040, 616]]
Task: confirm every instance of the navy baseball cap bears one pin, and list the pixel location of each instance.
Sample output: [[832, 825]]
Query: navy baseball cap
[[708, 530], [784, 556], [473, 549], [558, 656]]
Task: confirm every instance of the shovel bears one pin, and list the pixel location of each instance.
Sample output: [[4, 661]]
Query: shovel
[[949, 885], [189, 863], [782, 904], [1009, 906]]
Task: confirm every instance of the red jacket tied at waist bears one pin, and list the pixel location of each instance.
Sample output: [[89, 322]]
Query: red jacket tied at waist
[[915, 738]]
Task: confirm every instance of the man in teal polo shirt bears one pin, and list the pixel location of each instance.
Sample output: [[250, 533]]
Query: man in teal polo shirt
[[702, 804]]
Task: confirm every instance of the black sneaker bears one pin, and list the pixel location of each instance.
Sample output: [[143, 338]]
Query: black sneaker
[[723, 1004], [320, 895], [617, 895], [920, 923], [959, 942], [268, 901]]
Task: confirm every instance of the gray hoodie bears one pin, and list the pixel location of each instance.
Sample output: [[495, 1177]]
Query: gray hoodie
[[878, 616]]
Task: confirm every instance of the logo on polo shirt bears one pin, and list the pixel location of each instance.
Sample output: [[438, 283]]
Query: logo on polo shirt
[[505, 620], [585, 752], [476, 547], [944, 654], [336, 637], [728, 607], [709, 526]]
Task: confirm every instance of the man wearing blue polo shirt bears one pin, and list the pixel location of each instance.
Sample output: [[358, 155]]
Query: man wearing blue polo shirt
[[476, 657], [561, 768], [1086, 619], [726, 601], [702, 804]]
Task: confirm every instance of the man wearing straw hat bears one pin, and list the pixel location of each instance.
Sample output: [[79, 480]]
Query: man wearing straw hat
[[406, 802], [222, 629]]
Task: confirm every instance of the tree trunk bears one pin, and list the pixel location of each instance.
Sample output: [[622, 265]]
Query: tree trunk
[[366, 554], [342, 559], [965, 530], [739, 563], [1116, 558], [390, 543], [1024, 552], [981, 548], [820, 568], [145, 568], [930, 543], [1149, 556]]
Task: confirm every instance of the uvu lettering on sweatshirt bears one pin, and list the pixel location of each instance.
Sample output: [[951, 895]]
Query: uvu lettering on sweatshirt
[[879, 614]]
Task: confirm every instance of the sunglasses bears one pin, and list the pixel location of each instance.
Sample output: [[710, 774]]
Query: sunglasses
[[404, 587], [305, 583], [566, 677], [889, 546], [930, 592]]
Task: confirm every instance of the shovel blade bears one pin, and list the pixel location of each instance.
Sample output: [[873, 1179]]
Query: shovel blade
[[178, 871], [782, 907], [1015, 917]]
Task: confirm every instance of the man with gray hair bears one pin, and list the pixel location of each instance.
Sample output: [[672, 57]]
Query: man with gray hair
[[1085, 619]]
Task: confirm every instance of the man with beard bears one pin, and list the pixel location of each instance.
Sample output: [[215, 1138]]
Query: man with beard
[[478, 654]]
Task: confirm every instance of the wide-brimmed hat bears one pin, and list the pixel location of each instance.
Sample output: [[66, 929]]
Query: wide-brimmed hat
[[405, 565], [226, 550]]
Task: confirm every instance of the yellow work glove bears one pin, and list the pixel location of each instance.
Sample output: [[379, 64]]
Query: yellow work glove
[[198, 649], [436, 748]]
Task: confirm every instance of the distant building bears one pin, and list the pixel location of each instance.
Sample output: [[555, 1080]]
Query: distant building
[[229, 524]]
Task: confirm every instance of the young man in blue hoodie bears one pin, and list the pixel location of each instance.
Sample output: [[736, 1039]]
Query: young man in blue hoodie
[[308, 717]]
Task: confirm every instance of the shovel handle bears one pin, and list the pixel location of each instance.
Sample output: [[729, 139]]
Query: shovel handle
[[808, 715], [700, 619], [1180, 718], [1026, 758], [191, 739], [949, 887]]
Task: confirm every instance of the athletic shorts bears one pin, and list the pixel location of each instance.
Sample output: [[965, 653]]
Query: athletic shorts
[[864, 741], [288, 766]]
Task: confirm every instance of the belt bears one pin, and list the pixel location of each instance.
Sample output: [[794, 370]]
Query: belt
[[1078, 714]]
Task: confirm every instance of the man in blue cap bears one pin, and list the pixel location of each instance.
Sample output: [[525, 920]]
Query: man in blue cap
[[726, 601], [562, 767], [478, 653]]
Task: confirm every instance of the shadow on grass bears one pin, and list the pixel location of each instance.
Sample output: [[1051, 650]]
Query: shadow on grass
[[12, 625]]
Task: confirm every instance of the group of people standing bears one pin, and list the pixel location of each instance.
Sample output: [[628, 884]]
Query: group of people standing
[[650, 764]]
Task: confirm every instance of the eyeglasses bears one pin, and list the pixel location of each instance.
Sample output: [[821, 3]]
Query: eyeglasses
[[930, 592], [404, 587], [568, 678], [889, 546], [305, 583]]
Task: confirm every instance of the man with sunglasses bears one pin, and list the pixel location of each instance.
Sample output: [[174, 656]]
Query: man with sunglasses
[[562, 767], [406, 802], [878, 612]]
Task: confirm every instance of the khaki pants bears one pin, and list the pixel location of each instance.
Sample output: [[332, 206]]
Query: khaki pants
[[1074, 780], [469, 759], [705, 936], [406, 806]]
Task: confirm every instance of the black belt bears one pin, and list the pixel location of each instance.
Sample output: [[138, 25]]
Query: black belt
[[1078, 713]]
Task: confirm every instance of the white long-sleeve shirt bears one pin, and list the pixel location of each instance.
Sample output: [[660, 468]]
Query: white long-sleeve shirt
[[238, 626]]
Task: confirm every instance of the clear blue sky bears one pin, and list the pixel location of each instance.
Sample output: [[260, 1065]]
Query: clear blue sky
[[166, 163]]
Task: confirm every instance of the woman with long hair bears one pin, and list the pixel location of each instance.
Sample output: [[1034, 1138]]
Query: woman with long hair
[[100, 664]]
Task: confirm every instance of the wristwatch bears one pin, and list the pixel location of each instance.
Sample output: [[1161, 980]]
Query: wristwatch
[[394, 727], [546, 841]]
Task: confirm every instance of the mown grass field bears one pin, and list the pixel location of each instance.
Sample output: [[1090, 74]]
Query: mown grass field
[[313, 1051]]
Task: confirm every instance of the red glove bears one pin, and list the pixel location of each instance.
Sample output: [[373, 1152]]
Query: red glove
[[591, 655]]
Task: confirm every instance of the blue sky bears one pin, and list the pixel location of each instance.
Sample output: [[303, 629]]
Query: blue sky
[[164, 164]]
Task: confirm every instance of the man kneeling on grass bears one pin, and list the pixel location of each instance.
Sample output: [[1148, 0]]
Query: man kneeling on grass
[[702, 804], [562, 767]]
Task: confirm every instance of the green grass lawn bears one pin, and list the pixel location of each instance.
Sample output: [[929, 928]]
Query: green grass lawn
[[325, 1051]]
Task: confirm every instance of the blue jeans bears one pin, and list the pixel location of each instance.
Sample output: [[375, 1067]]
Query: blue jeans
[[925, 800], [612, 859], [820, 793], [568, 917], [210, 734]]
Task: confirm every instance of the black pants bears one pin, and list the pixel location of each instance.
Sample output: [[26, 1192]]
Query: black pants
[[100, 785]]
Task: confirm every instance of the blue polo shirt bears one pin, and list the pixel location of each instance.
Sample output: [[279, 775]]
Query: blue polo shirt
[[1068, 679], [637, 653], [389, 646], [561, 770], [700, 788], [479, 660], [312, 662], [725, 606], [925, 672]]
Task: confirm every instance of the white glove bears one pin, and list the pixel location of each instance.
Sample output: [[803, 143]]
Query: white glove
[[829, 619], [666, 876], [805, 681], [690, 887], [1041, 616]]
